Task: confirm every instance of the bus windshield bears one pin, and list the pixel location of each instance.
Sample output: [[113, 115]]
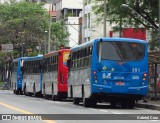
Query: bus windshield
[[123, 51], [65, 57]]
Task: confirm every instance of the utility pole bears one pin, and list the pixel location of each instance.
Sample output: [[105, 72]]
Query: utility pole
[[49, 29], [104, 21], [83, 22], [159, 24]]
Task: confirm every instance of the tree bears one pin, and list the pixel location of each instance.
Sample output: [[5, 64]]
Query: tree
[[26, 22], [143, 12], [59, 36], [22, 22], [132, 13]]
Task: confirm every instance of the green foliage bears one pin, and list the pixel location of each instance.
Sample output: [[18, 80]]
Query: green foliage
[[59, 35], [22, 22], [139, 13], [26, 22], [35, 53], [130, 13]]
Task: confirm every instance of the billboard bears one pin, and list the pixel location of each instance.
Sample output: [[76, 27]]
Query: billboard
[[7, 47]]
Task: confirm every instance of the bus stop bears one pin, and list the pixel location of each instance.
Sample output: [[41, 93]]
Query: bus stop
[[154, 75]]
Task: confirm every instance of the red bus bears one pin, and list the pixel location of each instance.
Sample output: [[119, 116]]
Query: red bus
[[55, 74]]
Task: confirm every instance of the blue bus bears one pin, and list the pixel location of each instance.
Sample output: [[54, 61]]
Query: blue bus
[[17, 75], [108, 69], [32, 77]]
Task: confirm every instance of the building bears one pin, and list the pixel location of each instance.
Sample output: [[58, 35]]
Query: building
[[68, 11], [91, 29]]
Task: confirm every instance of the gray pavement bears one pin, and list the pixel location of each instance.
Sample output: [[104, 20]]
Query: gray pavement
[[20, 104], [150, 104]]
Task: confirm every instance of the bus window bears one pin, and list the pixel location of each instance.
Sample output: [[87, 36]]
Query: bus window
[[65, 57], [124, 51]]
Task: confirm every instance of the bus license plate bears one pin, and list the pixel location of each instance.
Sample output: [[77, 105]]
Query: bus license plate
[[119, 83]]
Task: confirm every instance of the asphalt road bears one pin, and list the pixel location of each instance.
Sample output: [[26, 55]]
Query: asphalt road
[[53, 111]]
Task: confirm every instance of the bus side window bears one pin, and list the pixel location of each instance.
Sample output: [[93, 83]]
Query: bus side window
[[78, 59], [82, 62], [88, 56], [91, 50], [73, 60]]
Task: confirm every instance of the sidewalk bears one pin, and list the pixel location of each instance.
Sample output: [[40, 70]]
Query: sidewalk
[[151, 104]]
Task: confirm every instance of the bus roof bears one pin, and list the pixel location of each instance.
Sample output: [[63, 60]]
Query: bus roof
[[28, 58], [34, 58], [56, 52], [108, 39], [15, 60]]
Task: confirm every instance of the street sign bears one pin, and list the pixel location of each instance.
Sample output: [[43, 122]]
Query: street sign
[[7, 47]]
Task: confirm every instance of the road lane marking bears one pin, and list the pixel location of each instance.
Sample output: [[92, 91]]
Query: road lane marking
[[103, 110], [24, 112]]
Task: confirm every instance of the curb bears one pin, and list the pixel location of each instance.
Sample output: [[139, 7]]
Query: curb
[[147, 106]]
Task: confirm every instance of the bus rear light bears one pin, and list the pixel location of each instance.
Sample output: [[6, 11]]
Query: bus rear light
[[144, 74], [144, 79], [95, 77], [94, 72]]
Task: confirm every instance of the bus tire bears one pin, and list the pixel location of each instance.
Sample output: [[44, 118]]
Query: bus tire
[[44, 93], [124, 104], [24, 89], [71, 92], [34, 91], [14, 91], [93, 102], [17, 92], [86, 102], [20, 92], [131, 104], [76, 101], [113, 103]]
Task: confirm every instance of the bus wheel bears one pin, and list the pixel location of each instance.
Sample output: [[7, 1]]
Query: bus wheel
[[34, 91], [14, 91], [55, 98], [24, 90], [20, 92], [124, 104], [44, 93], [76, 101], [93, 102], [131, 104], [113, 103], [86, 102]]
